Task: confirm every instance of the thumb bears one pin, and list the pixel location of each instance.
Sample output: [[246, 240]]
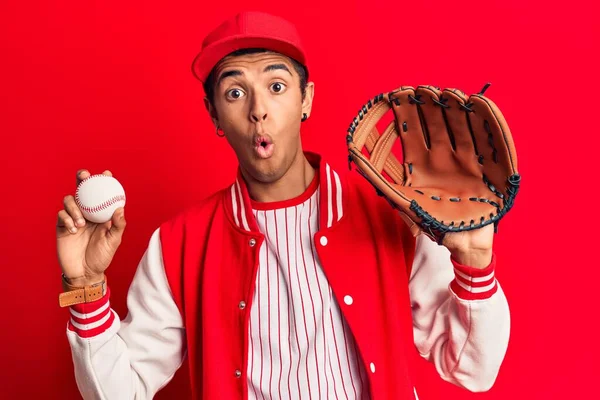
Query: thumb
[[117, 223]]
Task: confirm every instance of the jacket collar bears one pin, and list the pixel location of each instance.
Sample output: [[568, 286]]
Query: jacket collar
[[332, 193]]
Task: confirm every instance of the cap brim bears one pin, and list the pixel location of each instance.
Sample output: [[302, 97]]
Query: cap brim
[[211, 55]]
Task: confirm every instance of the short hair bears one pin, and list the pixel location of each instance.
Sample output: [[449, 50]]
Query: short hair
[[301, 70]]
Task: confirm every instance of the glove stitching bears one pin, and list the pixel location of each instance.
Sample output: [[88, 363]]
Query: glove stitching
[[424, 127], [488, 129], [509, 146]]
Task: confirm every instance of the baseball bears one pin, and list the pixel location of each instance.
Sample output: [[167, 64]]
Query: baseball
[[98, 196]]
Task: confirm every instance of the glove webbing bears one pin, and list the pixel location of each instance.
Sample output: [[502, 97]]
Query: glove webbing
[[379, 146]]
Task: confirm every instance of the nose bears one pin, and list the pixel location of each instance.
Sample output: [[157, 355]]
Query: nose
[[258, 110], [257, 117]]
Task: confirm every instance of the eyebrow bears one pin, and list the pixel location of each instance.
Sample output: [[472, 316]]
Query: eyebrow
[[268, 68], [274, 67], [227, 74]]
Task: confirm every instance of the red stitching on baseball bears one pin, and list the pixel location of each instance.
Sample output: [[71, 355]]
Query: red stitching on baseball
[[101, 206]]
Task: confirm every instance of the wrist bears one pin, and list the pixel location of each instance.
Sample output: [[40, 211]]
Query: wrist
[[80, 291], [86, 280], [476, 258]]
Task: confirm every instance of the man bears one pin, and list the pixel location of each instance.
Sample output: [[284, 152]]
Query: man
[[293, 282]]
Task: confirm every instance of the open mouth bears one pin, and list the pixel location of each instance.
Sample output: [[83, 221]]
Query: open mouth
[[263, 146]]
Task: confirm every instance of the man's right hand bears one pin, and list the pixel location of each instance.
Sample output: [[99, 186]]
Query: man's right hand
[[86, 249]]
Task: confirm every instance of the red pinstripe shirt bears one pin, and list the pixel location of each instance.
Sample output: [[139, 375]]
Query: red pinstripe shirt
[[297, 331]]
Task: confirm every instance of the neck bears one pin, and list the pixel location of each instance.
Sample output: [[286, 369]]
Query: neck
[[292, 184]]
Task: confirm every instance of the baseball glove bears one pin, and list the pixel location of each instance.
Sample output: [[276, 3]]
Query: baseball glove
[[459, 169]]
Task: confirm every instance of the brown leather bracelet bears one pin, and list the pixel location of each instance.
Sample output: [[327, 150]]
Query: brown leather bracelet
[[77, 295]]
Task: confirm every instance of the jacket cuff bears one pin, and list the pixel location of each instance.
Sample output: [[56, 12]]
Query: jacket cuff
[[91, 319], [471, 283]]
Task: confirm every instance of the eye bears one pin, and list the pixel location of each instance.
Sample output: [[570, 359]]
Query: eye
[[235, 93], [278, 87]]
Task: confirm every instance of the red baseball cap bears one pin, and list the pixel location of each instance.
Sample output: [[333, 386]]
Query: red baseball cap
[[247, 30]]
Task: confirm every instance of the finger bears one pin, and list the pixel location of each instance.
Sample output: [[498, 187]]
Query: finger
[[412, 135], [118, 219], [433, 119], [81, 175], [64, 221], [107, 173], [73, 210], [459, 124]]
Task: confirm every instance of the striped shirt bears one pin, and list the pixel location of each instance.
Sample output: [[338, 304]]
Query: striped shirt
[[300, 346]]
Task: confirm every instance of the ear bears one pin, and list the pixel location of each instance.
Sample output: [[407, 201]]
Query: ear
[[308, 98], [212, 111]]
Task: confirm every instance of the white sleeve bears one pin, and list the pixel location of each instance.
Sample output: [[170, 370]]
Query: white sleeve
[[136, 357], [461, 319]]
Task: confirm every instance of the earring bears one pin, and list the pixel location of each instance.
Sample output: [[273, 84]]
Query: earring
[[304, 117], [218, 132]]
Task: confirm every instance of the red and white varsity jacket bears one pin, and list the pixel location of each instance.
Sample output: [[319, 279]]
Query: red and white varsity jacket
[[193, 293]]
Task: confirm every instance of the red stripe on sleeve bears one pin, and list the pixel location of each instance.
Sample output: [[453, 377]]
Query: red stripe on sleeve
[[88, 333], [475, 284], [87, 308], [469, 281], [90, 320]]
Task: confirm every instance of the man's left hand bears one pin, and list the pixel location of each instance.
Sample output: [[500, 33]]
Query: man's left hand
[[471, 248]]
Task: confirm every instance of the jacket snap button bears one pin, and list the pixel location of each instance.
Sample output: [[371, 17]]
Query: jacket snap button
[[372, 368], [252, 242], [323, 241], [348, 300], [242, 304], [238, 373]]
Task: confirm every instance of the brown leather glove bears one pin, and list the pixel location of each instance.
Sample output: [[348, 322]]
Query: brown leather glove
[[459, 169]]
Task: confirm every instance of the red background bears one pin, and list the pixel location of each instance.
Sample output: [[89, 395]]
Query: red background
[[108, 86]]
